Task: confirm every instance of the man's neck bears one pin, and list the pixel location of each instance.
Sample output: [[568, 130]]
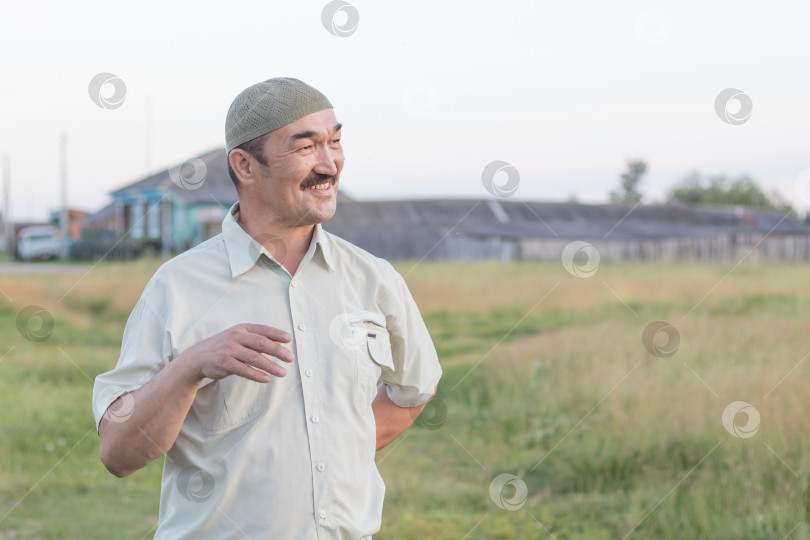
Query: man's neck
[[287, 245]]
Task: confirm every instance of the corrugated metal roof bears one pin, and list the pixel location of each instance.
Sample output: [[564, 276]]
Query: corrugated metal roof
[[563, 220]]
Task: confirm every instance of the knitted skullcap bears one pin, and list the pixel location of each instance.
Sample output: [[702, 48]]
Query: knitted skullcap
[[269, 105]]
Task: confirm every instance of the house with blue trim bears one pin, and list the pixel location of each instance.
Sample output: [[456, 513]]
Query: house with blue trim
[[174, 209]]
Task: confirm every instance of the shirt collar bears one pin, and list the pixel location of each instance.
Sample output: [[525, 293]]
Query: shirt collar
[[243, 251]]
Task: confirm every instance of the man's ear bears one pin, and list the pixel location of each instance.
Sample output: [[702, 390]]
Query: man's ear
[[243, 166]]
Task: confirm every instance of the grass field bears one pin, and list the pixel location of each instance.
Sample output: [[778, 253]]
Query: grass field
[[546, 378]]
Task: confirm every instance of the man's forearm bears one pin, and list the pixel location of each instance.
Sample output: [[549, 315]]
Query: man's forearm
[[391, 419], [147, 421], [157, 410]]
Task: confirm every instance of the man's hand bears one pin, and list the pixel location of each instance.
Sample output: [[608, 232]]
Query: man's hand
[[159, 407], [239, 350]]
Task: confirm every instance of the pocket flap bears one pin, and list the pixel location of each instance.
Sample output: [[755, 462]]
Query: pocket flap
[[379, 348]]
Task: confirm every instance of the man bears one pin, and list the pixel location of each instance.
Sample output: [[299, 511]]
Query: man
[[252, 360]]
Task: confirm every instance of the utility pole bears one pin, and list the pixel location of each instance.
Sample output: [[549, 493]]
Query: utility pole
[[148, 137], [9, 229], [63, 220]]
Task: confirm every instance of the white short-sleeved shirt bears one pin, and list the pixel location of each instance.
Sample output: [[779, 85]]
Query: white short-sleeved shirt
[[292, 458]]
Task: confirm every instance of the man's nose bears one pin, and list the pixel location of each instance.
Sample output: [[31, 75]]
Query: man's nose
[[328, 159]]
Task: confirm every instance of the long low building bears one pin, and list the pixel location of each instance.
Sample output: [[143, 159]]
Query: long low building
[[508, 230]]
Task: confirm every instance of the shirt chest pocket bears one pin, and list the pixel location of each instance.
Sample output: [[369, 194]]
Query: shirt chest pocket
[[224, 404], [372, 355], [228, 403]]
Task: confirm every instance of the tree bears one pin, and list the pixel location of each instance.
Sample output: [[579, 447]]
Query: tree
[[742, 191], [630, 181]]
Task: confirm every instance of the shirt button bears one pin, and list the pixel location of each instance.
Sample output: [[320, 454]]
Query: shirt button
[[316, 419], [309, 373], [320, 467], [302, 326], [294, 283], [322, 514]]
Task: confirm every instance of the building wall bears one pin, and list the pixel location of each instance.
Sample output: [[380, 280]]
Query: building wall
[[396, 243], [721, 248], [754, 247]]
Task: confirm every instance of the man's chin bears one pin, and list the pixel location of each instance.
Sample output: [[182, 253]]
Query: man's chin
[[326, 216], [321, 213]]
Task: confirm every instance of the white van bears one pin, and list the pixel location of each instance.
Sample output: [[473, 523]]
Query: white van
[[39, 242]]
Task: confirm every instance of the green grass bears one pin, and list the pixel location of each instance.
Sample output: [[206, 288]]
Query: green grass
[[545, 378]]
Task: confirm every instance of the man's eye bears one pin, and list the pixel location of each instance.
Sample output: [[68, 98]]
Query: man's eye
[[335, 141], [307, 147]]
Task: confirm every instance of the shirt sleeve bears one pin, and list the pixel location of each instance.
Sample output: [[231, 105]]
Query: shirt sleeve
[[416, 365], [144, 352]]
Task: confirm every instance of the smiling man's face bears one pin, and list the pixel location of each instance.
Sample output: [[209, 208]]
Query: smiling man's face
[[299, 184]]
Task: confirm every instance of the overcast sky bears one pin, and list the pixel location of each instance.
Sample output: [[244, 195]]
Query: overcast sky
[[428, 92]]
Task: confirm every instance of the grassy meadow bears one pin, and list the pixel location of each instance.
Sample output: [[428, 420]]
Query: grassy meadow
[[546, 378]]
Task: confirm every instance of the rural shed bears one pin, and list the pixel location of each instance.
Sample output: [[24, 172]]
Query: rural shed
[[481, 229], [655, 232]]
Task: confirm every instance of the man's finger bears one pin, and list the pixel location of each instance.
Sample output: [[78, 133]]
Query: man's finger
[[258, 361], [262, 344], [241, 369], [276, 334]]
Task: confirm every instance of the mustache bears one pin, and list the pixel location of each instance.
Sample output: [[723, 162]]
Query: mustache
[[315, 178]]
